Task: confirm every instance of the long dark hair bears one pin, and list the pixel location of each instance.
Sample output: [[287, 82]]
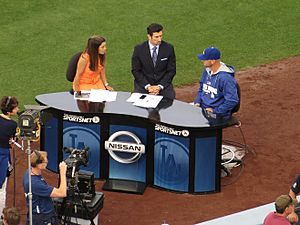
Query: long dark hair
[[92, 49], [8, 103]]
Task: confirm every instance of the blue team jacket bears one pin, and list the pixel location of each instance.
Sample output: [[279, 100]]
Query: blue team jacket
[[218, 91]]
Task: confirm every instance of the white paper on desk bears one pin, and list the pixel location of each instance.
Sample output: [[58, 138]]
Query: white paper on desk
[[111, 96], [84, 95], [134, 96], [102, 96], [150, 101]]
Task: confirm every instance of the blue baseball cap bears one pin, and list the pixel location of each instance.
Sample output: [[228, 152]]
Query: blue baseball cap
[[210, 53]]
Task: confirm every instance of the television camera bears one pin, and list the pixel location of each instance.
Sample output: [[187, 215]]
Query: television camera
[[80, 187], [79, 182], [76, 158]]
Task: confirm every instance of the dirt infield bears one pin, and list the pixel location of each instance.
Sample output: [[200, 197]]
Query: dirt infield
[[271, 124]]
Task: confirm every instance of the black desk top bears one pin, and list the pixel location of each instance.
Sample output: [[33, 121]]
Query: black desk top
[[171, 112]]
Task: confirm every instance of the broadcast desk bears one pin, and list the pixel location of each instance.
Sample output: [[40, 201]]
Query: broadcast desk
[[175, 146]]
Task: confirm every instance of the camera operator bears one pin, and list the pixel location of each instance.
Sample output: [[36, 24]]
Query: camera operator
[[9, 107], [42, 206]]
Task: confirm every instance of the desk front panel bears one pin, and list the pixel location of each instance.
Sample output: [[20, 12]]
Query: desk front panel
[[135, 171], [50, 138], [206, 164], [171, 162]]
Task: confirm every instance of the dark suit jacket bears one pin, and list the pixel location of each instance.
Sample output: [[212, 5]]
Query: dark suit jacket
[[145, 73]]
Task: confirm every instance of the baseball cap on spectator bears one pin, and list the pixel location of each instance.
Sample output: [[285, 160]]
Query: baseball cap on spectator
[[283, 201], [210, 53]]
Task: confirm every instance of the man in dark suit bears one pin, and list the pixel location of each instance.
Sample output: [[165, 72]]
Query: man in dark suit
[[154, 64]]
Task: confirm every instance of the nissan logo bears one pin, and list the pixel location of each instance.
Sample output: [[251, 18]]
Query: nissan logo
[[135, 148]]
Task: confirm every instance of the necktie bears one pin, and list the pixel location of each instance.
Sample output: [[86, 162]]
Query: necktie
[[154, 55]]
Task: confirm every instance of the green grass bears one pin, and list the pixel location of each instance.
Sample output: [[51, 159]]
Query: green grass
[[37, 38]]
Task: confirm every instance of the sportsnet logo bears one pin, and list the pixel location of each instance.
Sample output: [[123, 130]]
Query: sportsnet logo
[[172, 131], [81, 119]]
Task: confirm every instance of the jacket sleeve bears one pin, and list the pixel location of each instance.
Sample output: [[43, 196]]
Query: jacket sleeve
[[136, 67], [230, 96], [171, 69], [198, 97]]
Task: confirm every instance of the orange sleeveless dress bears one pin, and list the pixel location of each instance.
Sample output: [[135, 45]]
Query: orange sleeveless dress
[[90, 79]]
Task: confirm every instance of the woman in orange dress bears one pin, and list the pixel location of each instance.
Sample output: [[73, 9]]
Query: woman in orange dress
[[90, 72]]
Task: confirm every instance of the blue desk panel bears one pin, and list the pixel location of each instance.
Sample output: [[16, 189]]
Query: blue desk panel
[[205, 164], [134, 171], [171, 162], [51, 143]]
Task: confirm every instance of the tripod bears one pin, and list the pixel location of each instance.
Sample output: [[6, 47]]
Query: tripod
[[73, 201], [12, 167], [29, 194]]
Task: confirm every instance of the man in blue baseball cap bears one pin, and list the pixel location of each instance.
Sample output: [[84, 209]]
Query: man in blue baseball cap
[[210, 53], [218, 88]]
